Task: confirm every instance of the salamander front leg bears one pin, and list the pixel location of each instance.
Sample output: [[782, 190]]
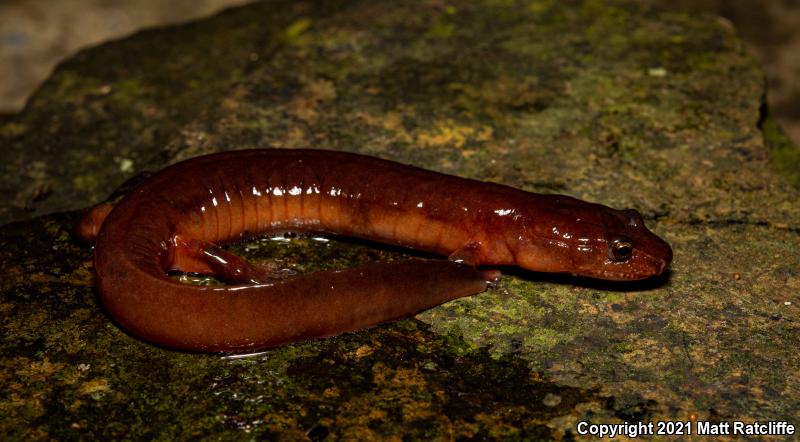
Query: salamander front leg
[[197, 256], [472, 254]]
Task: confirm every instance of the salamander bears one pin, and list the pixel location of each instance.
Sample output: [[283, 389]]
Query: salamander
[[176, 219]]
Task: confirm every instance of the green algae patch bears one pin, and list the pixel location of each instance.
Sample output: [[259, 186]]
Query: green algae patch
[[297, 28], [607, 101], [784, 154]]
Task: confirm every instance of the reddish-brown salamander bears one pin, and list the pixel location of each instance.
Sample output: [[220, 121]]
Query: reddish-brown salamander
[[174, 220]]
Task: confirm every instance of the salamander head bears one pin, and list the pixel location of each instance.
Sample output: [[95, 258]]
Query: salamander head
[[595, 241]]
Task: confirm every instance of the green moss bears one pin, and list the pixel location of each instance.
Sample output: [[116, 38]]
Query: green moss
[[12, 129], [784, 154], [443, 26], [296, 28], [84, 182], [543, 338]]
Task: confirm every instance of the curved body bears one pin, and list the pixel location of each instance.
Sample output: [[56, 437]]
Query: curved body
[[173, 220]]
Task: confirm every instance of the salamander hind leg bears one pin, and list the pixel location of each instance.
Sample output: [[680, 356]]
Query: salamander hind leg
[[198, 256]]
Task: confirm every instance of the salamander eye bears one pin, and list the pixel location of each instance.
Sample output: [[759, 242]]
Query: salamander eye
[[620, 250]]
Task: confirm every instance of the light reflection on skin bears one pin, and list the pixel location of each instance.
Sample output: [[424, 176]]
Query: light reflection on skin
[[243, 355], [236, 288], [558, 243]]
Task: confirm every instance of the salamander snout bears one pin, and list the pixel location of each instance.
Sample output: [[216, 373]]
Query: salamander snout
[[614, 245], [645, 257], [633, 251]]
